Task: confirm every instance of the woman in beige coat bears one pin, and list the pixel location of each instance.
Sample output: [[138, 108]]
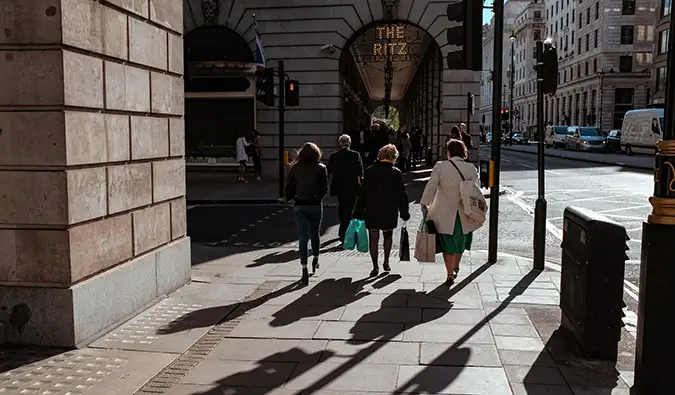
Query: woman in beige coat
[[442, 204]]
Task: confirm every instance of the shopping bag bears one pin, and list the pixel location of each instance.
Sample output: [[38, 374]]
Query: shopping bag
[[473, 201], [404, 253], [425, 244], [351, 234], [362, 238]]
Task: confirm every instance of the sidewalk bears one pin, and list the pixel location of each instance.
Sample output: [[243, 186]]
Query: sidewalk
[[245, 328], [639, 162]]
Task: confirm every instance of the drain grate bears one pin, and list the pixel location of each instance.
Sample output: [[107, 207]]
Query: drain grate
[[195, 354]]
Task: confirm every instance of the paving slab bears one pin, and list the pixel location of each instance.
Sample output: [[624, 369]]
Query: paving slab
[[262, 329], [281, 315], [452, 380], [513, 330], [535, 375], [447, 354], [402, 315], [519, 343], [433, 332], [85, 371], [541, 389], [172, 325], [600, 391], [272, 350], [232, 374], [388, 353], [215, 291], [195, 389], [453, 316], [526, 358], [350, 378], [360, 332]]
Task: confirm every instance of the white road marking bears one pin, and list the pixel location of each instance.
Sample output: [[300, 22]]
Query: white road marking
[[191, 207], [635, 240], [555, 172], [526, 166], [614, 210], [634, 229], [629, 288], [625, 217], [506, 161]]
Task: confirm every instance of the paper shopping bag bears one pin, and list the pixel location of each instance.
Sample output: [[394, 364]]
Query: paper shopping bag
[[425, 244]]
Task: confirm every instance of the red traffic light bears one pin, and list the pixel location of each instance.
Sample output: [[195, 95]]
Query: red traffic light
[[291, 87]]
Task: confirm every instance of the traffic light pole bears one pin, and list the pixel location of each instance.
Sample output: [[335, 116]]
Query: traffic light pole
[[512, 84], [495, 163], [655, 345], [282, 110], [540, 205]]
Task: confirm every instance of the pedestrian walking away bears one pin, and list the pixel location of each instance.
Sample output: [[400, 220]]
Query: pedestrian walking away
[[242, 157], [256, 152], [307, 186], [406, 148], [382, 199], [441, 203], [345, 169]]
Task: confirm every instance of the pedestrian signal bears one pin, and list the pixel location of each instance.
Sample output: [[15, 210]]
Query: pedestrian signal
[[265, 86], [292, 93], [505, 114]]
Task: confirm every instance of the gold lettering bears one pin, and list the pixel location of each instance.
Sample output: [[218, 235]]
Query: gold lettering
[[391, 32], [402, 48], [380, 31], [400, 32], [392, 48], [377, 49], [671, 184]]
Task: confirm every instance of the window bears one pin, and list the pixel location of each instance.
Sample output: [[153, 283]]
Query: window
[[578, 70], [627, 34], [623, 96], [625, 64], [597, 11], [581, 18], [588, 15], [537, 35], [587, 68], [665, 7], [628, 7], [573, 12], [579, 50], [664, 35], [661, 78], [595, 65], [588, 39], [567, 20], [556, 7], [572, 37]]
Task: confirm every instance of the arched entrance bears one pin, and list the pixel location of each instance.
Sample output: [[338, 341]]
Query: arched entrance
[[387, 62], [387, 115], [219, 95]]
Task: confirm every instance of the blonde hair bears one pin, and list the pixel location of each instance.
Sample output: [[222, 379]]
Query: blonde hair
[[388, 153]]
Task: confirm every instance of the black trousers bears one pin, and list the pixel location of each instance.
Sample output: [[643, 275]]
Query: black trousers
[[345, 209]]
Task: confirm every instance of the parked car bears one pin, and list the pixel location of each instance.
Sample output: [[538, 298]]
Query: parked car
[[555, 136], [488, 137], [518, 138], [584, 139], [613, 142], [641, 130]]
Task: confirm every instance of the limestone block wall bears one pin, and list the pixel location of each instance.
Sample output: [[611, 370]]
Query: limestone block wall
[[92, 191]]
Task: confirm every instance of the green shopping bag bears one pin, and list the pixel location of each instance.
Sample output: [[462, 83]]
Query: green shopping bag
[[362, 238], [351, 235]]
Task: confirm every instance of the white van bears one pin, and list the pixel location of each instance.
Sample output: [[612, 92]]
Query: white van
[[555, 136], [641, 130]]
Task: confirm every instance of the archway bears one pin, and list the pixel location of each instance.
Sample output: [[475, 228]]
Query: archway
[[390, 118], [220, 95], [393, 61]]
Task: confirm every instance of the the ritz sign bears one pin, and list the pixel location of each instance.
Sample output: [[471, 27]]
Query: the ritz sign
[[390, 40]]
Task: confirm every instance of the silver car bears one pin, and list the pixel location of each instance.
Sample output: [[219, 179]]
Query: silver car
[[585, 139]]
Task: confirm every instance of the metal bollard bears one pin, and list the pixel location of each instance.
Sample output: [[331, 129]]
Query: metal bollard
[[484, 167], [591, 287]]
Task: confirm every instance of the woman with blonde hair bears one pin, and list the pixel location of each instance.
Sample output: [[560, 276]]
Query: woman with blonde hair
[[307, 185], [442, 204], [383, 197]]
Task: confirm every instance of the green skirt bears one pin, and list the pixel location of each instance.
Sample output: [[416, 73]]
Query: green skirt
[[456, 243]]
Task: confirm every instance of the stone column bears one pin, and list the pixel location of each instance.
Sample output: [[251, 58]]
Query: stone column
[[92, 198]]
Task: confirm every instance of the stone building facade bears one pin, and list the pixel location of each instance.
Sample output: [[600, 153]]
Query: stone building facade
[[605, 54], [660, 56], [92, 207]]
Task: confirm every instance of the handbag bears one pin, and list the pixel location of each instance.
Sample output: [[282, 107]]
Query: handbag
[[473, 201], [425, 244], [404, 252], [362, 238], [351, 234]]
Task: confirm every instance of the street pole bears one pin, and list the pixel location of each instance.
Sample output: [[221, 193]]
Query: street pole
[[540, 205], [511, 87], [655, 345], [498, 59], [282, 110]]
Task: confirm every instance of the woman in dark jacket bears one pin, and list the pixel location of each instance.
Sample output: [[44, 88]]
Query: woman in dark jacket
[[383, 197], [307, 185]]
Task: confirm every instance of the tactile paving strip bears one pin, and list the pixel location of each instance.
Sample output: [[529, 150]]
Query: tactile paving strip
[[71, 373], [12, 357], [195, 354]]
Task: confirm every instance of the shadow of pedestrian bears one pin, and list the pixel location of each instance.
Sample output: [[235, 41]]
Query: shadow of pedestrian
[[272, 372], [291, 255], [327, 296], [217, 315]]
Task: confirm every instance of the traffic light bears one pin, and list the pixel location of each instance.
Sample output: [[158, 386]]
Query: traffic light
[[292, 93], [469, 35], [265, 86], [505, 114], [550, 69]]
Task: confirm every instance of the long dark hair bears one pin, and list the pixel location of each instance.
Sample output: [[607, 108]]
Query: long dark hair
[[308, 154]]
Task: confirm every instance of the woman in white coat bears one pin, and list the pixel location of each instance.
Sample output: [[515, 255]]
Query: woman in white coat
[[442, 204]]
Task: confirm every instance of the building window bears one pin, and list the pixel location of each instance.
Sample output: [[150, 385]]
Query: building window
[[588, 39], [627, 34], [625, 64], [587, 68], [595, 65], [588, 16], [579, 50], [537, 35], [661, 78], [537, 15], [665, 7], [664, 36], [595, 38], [581, 18], [623, 101], [628, 7], [567, 20], [578, 70], [597, 11]]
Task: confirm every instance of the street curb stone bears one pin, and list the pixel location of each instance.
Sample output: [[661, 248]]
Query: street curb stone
[[589, 160]]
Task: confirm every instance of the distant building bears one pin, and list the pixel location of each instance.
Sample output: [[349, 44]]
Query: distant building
[[660, 54]]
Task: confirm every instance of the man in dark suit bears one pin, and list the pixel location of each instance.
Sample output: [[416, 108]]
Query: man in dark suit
[[346, 171]]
